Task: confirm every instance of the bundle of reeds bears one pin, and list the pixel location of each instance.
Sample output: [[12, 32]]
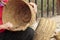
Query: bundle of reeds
[[45, 29]]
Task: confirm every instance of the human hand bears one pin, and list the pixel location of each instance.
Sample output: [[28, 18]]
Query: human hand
[[6, 26], [34, 6], [4, 2]]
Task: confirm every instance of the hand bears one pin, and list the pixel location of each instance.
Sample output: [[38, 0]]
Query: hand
[[4, 1], [8, 25], [34, 6]]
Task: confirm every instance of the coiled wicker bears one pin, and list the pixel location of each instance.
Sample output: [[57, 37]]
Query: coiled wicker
[[19, 13]]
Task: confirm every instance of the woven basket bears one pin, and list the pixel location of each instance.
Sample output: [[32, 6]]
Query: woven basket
[[19, 13], [45, 29]]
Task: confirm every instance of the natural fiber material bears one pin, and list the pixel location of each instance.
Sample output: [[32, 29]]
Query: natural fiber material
[[57, 31], [19, 13], [45, 29], [57, 36]]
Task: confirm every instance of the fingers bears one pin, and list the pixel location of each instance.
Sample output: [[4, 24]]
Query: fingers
[[8, 25], [34, 6]]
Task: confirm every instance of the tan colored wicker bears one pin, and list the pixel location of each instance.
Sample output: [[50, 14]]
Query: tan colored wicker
[[19, 13], [45, 29], [57, 36]]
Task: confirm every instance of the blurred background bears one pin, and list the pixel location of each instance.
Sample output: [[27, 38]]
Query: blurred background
[[46, 8]]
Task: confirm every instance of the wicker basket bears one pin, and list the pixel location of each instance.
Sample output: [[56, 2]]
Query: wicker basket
[[19, 13]]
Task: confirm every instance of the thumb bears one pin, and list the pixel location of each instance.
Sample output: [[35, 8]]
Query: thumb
[[9, 24]]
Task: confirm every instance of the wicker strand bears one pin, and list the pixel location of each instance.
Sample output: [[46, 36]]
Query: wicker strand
[[45, 29]]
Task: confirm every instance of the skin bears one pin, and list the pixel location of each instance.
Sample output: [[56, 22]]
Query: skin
[[6, 26]]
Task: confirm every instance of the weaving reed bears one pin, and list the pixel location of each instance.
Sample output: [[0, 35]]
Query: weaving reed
[[57, 36], [45, 29], [19, 13], [57, 31]]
